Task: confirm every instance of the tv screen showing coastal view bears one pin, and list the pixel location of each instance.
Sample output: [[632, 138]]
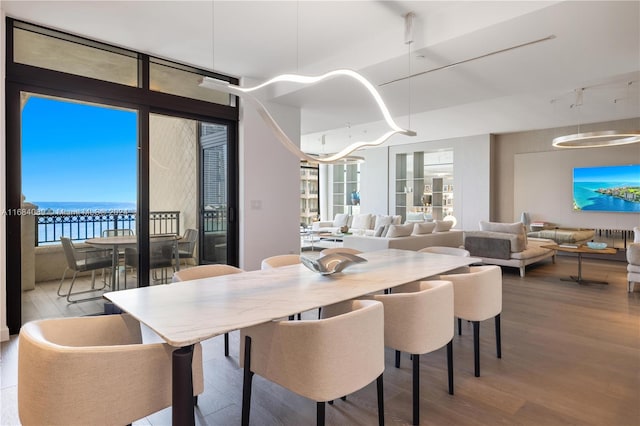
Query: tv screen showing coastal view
[[607, 188]]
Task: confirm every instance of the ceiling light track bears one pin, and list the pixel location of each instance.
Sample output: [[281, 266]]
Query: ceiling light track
[[508, 49]]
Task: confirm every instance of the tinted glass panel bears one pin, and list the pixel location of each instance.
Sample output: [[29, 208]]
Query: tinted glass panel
[[176, 81]]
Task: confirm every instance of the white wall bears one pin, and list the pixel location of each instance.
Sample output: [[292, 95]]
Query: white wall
[[543, 186], [374, 175], [471, 176], [4, 330], [269, 187]]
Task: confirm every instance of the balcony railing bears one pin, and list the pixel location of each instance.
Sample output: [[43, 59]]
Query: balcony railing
[[215, 220], [81, 226]]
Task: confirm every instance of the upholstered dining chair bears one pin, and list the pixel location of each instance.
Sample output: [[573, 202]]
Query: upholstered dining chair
[[82, 260], [279, 260], [319, 359], [420, 322], [347, 250], [206, 271], [451, 251], [93, 371], [477, 297]]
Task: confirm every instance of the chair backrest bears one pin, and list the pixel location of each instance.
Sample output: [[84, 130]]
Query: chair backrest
[[477, 295], [339, 250], [73, 354], [188, 241], [204, 271], [69, 253], [419, 322], [117, 232], [321, 359], [453, 251], [280, 260]]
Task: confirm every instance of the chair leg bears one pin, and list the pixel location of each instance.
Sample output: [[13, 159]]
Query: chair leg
[[450, 365], [226, 344], [416, 389], [320, 413], [397, 359], [62, 281], [498, 338], [380, 387], [476, 348], [459, 327], [246, 384]]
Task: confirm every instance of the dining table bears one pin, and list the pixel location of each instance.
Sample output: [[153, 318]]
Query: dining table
[[192, 311], [117, 242]]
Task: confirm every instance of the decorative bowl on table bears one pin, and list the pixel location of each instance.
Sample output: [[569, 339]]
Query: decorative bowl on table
[[596, 246]]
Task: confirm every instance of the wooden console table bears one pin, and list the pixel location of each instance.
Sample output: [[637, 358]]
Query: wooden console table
[[580, 250]]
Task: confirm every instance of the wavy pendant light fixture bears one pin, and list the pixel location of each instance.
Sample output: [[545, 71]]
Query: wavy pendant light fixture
[[339, 157], [246, 93]]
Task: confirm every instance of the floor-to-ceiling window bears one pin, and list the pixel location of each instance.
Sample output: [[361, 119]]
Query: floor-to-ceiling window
[[48, 64]]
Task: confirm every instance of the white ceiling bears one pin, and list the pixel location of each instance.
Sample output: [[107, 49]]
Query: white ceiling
[[596, 46]]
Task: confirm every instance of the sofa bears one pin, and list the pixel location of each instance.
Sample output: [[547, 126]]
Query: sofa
[[577, 236], [507, 244], [410, 236], [359, 224]]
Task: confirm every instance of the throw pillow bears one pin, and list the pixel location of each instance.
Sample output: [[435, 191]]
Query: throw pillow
[[423, 228], [340, 219], [382, 220], [443, 225], [361, 221], [379, 231], [400, 230], [414, 217], [509, 228]]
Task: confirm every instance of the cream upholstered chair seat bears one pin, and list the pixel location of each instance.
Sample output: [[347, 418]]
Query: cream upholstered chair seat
[[93, 371], [347, 250], [206, 271], [477, 297], [633, 267], [280, 260], [419, 322], [319, 359]]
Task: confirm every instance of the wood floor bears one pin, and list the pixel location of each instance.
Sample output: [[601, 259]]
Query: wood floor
[[570, 356]]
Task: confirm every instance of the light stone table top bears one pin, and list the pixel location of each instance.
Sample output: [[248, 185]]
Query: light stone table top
[[188, 312]]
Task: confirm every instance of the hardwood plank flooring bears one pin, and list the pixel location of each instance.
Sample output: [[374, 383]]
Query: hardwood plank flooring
[[570, 356]]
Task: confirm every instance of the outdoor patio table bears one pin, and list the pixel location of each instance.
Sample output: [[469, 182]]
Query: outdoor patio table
[[197, 310], [128, 241]]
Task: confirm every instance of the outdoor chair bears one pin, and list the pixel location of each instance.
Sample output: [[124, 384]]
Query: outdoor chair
[[83, 260], [187, 245], [162, 257]]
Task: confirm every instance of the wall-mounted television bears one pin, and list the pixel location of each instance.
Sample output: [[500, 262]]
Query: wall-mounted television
[[607, 188]]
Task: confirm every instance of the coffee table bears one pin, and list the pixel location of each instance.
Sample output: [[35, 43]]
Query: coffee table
[[580, 250]]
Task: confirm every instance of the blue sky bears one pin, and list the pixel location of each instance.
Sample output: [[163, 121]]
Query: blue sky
[[623, 174], [77, 152]]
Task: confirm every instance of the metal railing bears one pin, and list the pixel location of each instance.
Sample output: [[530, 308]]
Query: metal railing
[[81, 226], [215, 220]]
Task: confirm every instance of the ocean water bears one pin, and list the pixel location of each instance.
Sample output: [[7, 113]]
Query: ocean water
[[88, 207], [92, 220], [586, 198]]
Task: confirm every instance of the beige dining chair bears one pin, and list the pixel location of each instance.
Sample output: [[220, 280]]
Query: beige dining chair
[[206, 271], [94, 371], [83, 260], [278, 261], [451, 251], [477, 296], [419, 322], [339, 250], [319, 359]]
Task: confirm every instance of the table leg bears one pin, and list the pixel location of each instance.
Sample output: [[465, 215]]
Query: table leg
[[182, 387], [578, 279]]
